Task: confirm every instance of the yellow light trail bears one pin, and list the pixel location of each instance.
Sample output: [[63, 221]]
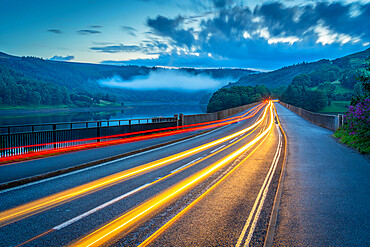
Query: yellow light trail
[[37, 206], [143, 187], [129, 220], [177, 216]]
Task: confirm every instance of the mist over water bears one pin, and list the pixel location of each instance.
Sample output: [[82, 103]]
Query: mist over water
[[166, 80]]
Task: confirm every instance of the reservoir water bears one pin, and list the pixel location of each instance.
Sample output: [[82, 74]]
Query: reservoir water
[[40, 116]]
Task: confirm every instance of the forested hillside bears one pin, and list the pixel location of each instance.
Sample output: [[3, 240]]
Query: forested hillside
[[17, 90], [225, 98], [325, 85], [283, 77], [331, 83], [82, 79]]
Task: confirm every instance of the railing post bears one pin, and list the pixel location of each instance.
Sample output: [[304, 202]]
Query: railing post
[[54, 136], [176, 117], [98, 130], [181, 120]]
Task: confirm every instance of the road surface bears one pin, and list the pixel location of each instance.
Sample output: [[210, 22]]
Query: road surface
[[325, 199], [230, 174]]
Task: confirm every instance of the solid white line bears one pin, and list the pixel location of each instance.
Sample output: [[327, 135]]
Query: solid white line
[[71, 221], [103, 164], [254, 223], [191, 162], [261, 192], [214, 150]]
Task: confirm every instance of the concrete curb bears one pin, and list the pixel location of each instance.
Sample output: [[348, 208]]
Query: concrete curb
[[269, 240], [89, 164]]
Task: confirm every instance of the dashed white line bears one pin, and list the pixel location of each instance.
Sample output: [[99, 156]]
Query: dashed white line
[[71, 221], [233, 140], [214, 150], [191, 162]]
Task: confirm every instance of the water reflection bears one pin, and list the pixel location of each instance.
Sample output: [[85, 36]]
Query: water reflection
[[20, 117]]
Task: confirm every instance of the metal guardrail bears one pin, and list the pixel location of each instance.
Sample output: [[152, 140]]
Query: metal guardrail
[[22, 139], [11, 129]]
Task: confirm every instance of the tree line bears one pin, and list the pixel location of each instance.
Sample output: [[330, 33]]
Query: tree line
[[234, 96], [17, 90]]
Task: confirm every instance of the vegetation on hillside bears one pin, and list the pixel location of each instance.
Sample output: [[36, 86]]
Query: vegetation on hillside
[[17, 90], [80, 77], [356, 131], [225, 98], [332, 83], [283, 77]]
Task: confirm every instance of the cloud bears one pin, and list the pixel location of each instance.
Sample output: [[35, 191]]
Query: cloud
[[56, 31], [117, 48], [88, 32], [165, 80], [96, 26], [171, 28], [269, 35], [130, 30], [61, 58]]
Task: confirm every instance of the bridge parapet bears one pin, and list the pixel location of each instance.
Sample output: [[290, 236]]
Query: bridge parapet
[[332, 122]]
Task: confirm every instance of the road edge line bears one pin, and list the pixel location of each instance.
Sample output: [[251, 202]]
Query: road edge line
[[269, 240]]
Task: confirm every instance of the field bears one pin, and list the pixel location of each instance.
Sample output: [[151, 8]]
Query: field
[[336, 107]]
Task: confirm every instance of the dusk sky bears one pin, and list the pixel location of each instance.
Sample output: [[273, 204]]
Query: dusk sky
[[206, 33]]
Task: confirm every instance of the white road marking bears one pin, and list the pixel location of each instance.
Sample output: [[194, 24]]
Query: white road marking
[[215, 150], [234, 139], [77, 218], [71, 221], [191, 162], [260, 199]]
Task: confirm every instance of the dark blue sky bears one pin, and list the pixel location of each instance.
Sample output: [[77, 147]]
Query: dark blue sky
[[193, 33]]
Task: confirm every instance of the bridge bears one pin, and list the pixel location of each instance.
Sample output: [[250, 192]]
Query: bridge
[[259, 175]]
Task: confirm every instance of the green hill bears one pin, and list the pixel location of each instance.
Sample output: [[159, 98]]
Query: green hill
[[284, 76], [82, 78]]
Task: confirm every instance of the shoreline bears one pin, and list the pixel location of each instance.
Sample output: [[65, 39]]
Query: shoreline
[[25, 111], [61, 110]]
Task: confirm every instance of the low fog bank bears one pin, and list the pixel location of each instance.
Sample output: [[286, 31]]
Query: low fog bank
[[166, 80]]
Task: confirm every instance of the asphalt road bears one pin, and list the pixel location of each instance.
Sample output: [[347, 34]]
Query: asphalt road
[[85, 201], [325, 199], [31, 168]]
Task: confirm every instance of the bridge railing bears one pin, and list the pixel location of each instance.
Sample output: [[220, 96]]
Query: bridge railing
[[332, 122], [22, 139]]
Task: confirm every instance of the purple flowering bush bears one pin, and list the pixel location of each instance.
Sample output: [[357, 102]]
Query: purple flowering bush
[[356, 131]]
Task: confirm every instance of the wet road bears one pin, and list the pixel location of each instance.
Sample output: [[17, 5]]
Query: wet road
[[326, 199]]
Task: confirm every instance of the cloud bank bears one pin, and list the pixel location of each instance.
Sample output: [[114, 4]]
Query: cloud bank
[[272, 34], [56, 31], [61, 58], [165, 80], [88, 32]]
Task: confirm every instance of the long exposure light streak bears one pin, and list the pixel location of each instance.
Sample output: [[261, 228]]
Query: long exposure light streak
[[129, 220], [157, 233], [168, 131], [100, 207], [42, 204]]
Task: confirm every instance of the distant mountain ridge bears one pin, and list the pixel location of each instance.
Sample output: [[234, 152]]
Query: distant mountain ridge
[[284, 76], [78, 77]]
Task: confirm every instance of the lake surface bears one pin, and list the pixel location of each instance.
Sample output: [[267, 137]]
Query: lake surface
[[38, 116]]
